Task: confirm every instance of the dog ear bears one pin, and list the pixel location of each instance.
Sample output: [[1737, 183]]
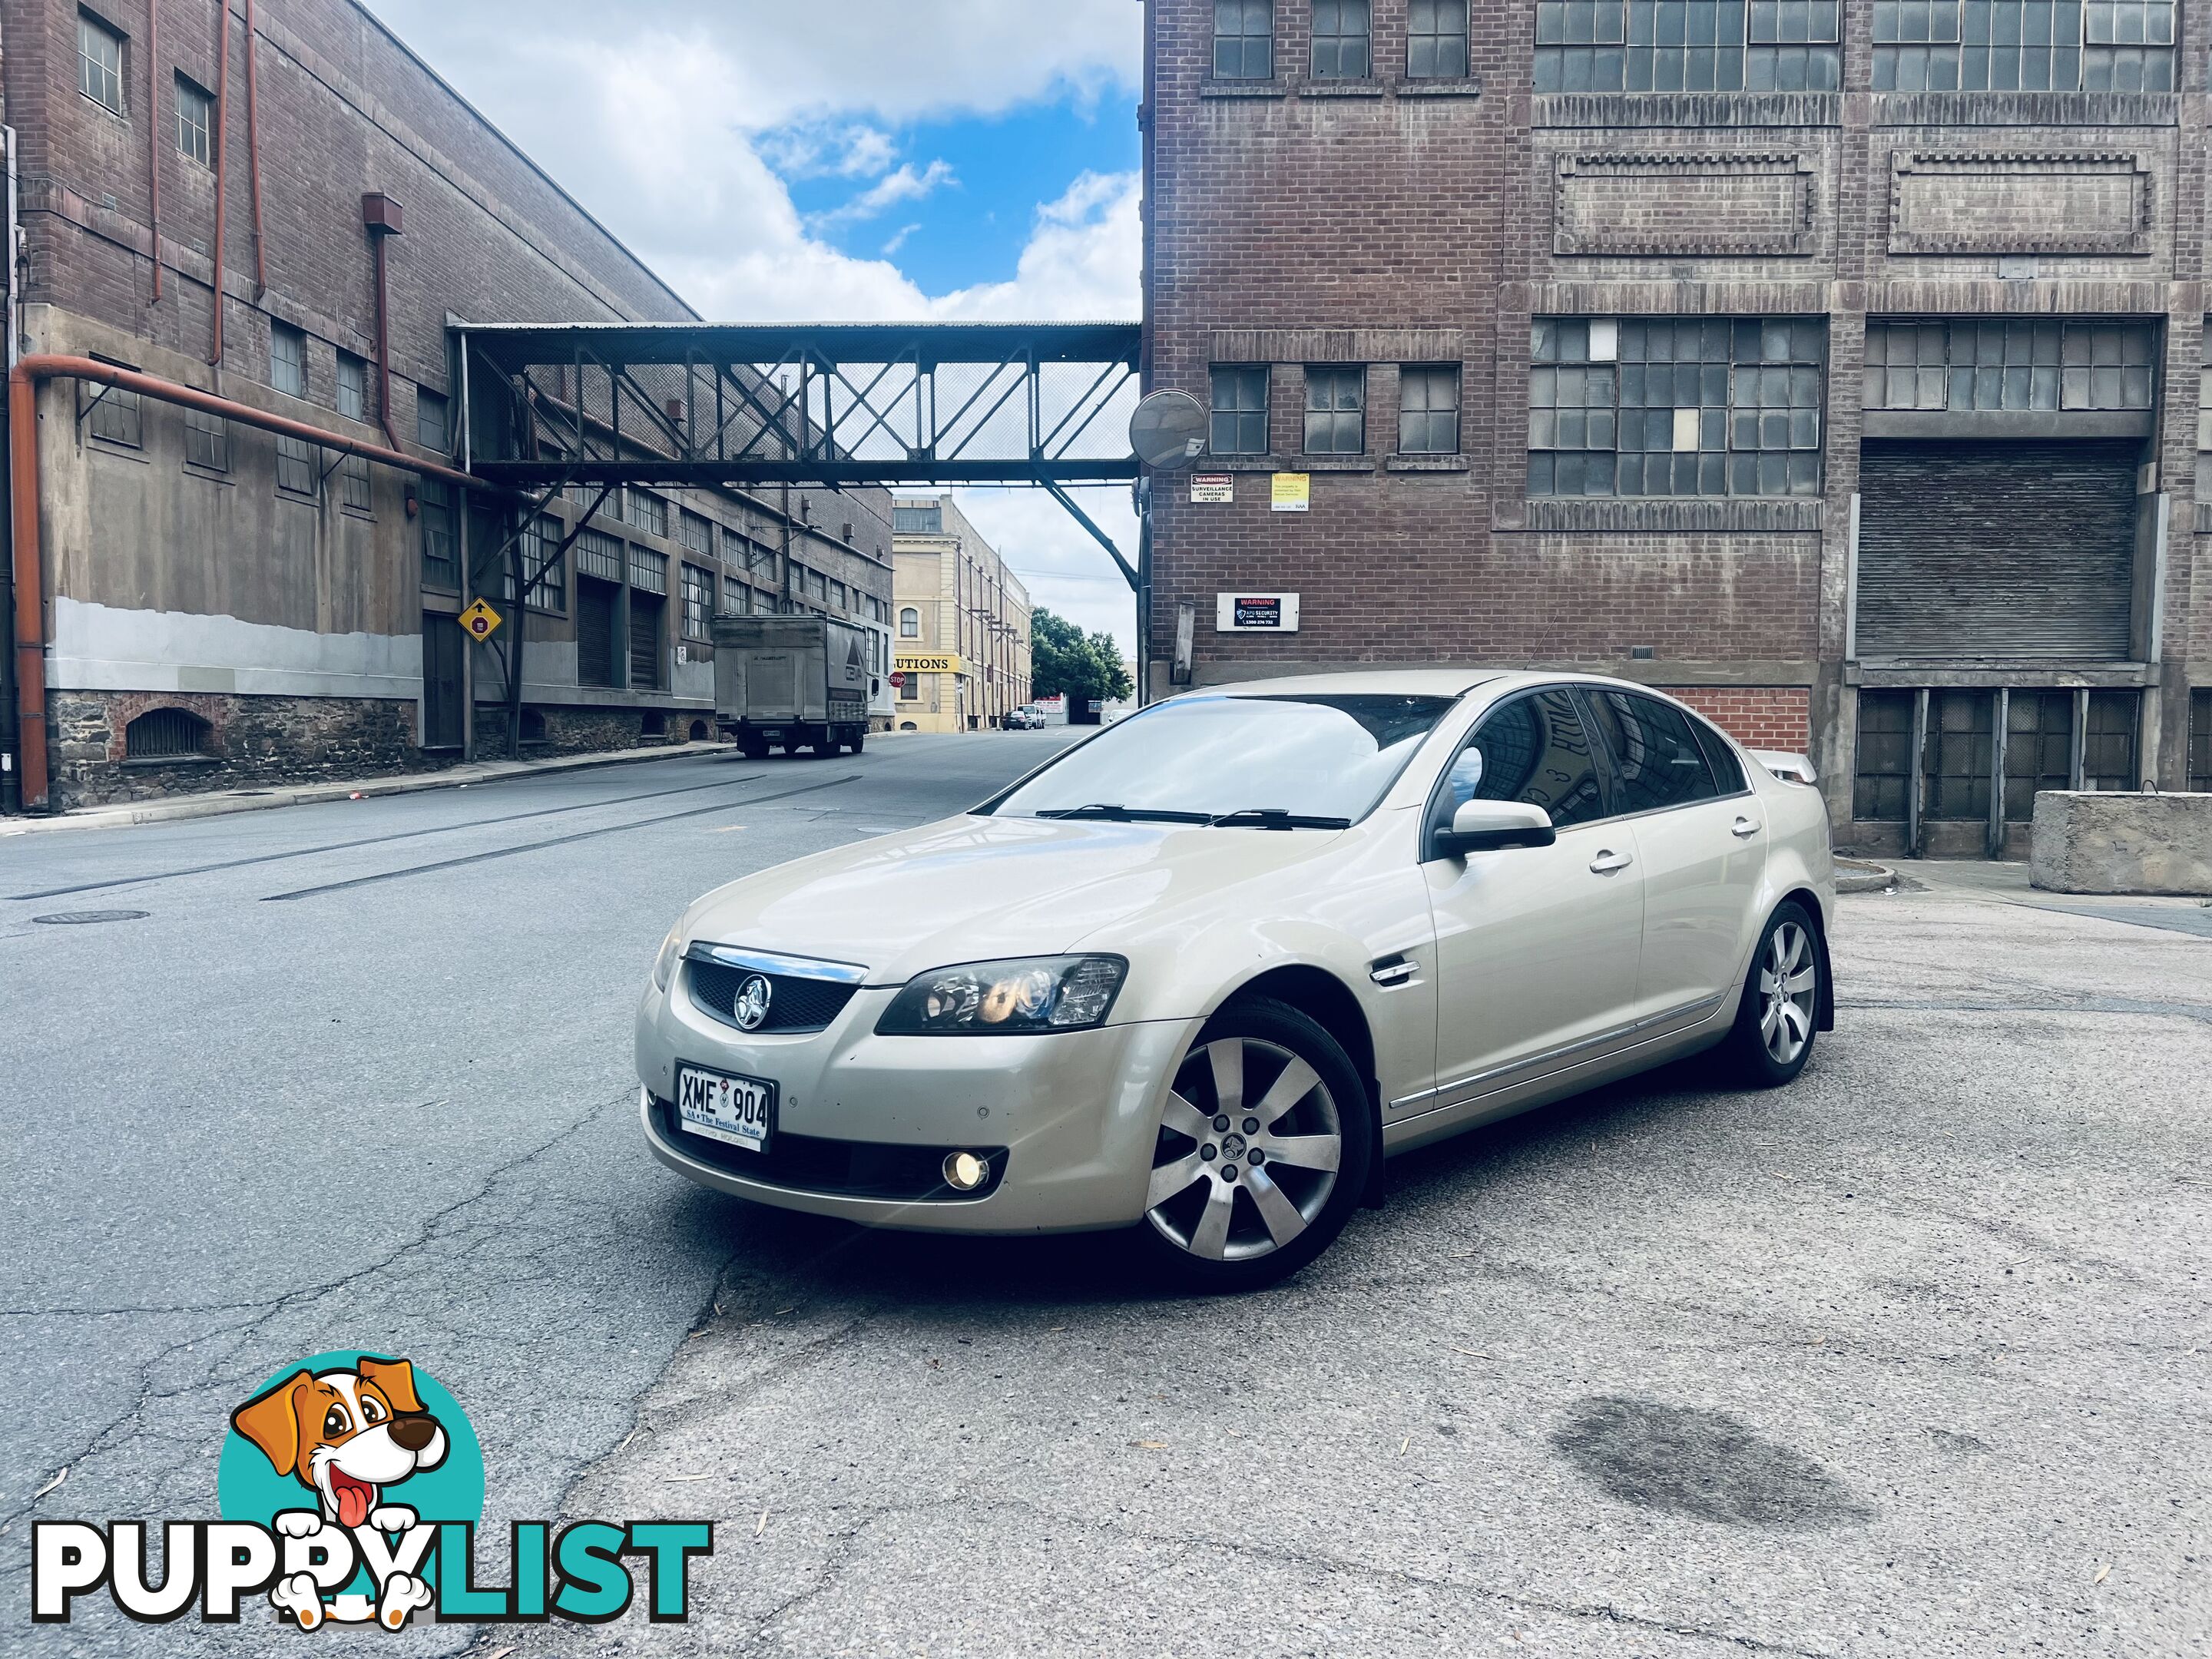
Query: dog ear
[[395, 1379], [272, 1421]]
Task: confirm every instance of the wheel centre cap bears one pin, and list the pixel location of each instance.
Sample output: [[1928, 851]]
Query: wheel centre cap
[[1232, 1146]]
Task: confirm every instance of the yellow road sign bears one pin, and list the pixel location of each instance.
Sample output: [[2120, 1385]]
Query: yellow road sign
[[480, 620]]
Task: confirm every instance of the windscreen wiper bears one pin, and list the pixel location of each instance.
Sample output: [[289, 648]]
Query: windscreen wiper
[[1275, 817], [1115, 814]]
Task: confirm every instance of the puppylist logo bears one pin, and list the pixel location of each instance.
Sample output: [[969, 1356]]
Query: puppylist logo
[[351, 1488]]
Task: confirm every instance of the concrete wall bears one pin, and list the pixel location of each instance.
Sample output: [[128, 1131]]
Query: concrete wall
[[2093, 843]]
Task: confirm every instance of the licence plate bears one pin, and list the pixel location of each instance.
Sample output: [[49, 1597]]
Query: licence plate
[[738, 1111]]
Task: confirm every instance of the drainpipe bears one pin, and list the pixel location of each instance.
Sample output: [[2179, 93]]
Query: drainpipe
[[254, 154], [28, 571], [154, 134], [380, 216], [10, 778], [221, 173]]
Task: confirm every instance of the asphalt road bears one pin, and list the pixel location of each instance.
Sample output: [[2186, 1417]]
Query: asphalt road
[[1912, 1359]]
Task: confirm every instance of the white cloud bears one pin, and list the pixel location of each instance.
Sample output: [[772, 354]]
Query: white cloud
[[819, 149], [906, 185], [1063, 568]]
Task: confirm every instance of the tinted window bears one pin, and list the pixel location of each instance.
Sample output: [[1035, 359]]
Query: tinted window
[[1320, 756], [1727, 771], [1656, 761], [1535, 749]]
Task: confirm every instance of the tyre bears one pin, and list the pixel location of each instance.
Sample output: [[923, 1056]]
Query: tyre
[[753, 749], [1776, 1023], [859, 742], [1262, 1154]]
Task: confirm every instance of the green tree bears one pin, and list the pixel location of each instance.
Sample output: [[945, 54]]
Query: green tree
[[1062, 662]]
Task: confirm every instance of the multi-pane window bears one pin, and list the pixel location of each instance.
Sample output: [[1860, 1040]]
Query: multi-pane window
[[698, 603], [599, 555], [2200, 742], [116, 415], [299, 466], [2028, 45], [2017, 365], [648, 571], [1428, 411], [1341, 40], [1668, 406], [2039, 749], [647, 511], [1882, 787], [697, 534], [288, 359], [1435, 40], [354, 489], [99, 62], [1336, 412], [2108, 741], [2204, 423], [441, 563], [353, 386], [918, 520], [543, 565], [430, 430], [207, 441], [909, 623], [1689, 45], [1244, 39], [195, 121], [1240, 411]]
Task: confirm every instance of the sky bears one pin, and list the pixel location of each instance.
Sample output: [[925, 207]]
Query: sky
[[844, 161]]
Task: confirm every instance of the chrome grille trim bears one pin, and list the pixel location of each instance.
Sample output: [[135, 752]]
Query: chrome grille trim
[[769, 962]]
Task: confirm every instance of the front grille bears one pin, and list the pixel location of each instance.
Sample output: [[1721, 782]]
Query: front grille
[[793, 1004], [842, 1169]]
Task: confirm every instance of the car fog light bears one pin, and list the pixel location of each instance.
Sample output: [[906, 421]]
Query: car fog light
[[964, 1172]]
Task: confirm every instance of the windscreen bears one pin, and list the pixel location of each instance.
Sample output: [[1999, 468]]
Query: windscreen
[[1322, 757]]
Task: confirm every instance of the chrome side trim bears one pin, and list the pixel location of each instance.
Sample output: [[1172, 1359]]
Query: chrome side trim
[[1561, 1058], [769, 962]]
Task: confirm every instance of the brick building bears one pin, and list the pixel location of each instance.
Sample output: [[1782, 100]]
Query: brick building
[[1835, 367], [206, 195], [963, 621]]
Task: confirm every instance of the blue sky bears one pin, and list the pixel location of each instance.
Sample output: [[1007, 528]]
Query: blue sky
[[860, 158]]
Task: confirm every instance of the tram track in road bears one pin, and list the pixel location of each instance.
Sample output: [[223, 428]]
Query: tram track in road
[[551, 841]]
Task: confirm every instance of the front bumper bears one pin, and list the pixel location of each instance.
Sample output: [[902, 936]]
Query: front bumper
[[1077, 1112]]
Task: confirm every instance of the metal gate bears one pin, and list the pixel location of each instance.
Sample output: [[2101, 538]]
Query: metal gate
[[442, 643], [1988, 551]]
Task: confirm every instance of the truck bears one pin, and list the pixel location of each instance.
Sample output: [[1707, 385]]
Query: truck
[[791, 683]]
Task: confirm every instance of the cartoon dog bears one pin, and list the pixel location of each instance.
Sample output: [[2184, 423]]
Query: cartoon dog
[[346, 1436]]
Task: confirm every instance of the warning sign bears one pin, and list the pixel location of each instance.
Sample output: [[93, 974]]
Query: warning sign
[[480, 621], [1215, 488], [1292, 492]]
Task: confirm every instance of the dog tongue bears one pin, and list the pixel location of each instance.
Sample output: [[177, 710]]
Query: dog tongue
[[353, 1506]]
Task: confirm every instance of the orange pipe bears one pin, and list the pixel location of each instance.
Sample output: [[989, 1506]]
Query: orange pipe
[[24, 473], [221, 149]]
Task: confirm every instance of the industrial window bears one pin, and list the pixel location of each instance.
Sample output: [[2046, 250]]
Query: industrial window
[[648, 571], [600, 555], [2022, 365], [2204, 423], [1689, 45], [2028, 45], [647, 511], [837, 595], [117, 415], [354, 489], [1959, 727], [697, 534], [288, 359], [918, 520], [1428, 411], [195, 121], [100, 62], [909, 623], [166, 734], [2200, 742], [207, 441], [1341, 38], [1662, 406], [1336, 412], [1240, 412], [2108, 741], [698, 603], [353, 386], [2039, 749], [548, 576], [1244, 39], [299, 466], [440, 565], [1883, 782], [1435, 40], [430, 429], [819, 584]]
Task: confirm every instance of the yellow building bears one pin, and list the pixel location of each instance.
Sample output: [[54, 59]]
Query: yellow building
[[960, 638]]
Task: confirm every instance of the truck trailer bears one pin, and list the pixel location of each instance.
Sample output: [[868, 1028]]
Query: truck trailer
[[790, 683]]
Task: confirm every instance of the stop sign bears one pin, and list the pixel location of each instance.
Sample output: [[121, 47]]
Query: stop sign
[[897, 681]]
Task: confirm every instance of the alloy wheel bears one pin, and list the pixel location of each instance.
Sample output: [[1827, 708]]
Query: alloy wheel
[[1248, 1151], [1788, 981]]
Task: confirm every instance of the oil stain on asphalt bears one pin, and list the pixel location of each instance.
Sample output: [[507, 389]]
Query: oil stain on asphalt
[[1701, 1464]]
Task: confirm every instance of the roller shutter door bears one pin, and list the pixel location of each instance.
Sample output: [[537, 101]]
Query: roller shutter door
[[2013, 549]]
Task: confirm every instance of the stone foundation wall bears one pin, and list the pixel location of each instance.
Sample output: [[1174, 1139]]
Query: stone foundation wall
[[250, 740]]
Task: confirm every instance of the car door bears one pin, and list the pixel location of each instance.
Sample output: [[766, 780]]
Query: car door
[[1536, 946], [1701, 841]]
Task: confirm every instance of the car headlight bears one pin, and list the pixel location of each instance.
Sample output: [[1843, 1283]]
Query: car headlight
[[664, 965], [990, 999]]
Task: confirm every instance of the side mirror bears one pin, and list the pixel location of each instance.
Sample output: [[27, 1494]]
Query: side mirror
[[1483, 826]]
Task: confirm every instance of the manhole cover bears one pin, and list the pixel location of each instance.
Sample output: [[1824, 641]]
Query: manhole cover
[[78, 918]]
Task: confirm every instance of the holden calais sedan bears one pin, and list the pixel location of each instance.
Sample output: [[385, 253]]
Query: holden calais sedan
[[1200, 974]]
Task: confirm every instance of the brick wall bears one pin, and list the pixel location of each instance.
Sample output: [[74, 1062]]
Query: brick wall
[[1760, 717]]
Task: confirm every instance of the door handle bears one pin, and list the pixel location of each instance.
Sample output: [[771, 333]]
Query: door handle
[[1607, 863], [1744, 830]]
